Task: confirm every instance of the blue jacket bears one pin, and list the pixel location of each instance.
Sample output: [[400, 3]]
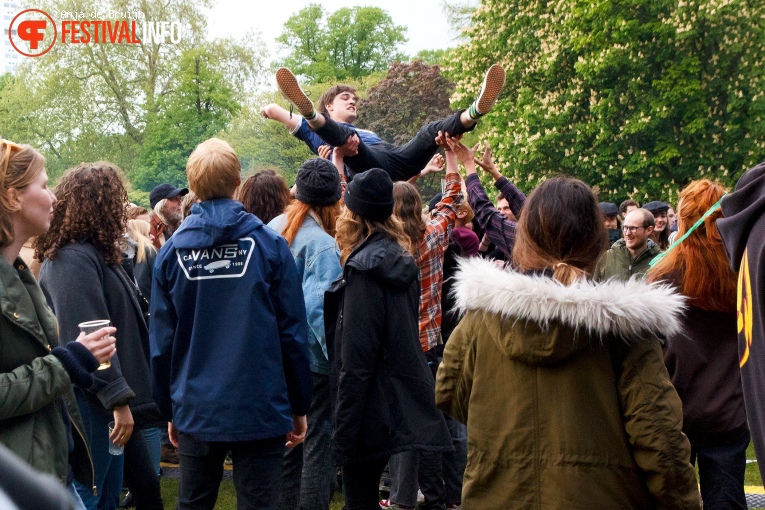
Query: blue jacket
[[228, 328], [318, 262], [314, 141]]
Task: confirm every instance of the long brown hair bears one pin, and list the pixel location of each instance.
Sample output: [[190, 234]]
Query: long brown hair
[[296, 214], [407, 208], [91, 206], [352, 229], [264, 194], [560, 230], [700, 262], [19, 167]]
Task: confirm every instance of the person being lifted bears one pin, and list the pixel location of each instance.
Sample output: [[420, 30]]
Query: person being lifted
[[332, 124]]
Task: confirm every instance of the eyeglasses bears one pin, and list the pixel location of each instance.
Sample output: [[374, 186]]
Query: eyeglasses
[[8, 146], [630, 229]]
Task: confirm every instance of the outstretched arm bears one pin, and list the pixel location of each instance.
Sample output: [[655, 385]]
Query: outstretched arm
[[275, 112]]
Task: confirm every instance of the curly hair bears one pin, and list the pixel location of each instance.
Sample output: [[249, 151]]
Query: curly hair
[[264, 194], [91, 207]]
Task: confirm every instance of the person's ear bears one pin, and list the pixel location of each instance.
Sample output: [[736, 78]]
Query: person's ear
[[461, 214], [648, 231], [12, 194]]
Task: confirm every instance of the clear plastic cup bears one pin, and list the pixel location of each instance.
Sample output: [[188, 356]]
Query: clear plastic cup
[[92, 326], [114, 448]]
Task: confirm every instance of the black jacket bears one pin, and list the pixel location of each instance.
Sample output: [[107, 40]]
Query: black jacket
[[384, 397], [80, 286], [743, 233]]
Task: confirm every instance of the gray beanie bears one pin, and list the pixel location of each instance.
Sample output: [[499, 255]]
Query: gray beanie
[[370, 194], [318, 182]]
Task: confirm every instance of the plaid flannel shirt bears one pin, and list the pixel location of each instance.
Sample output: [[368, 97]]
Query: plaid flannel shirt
[[431, 262], [500, 231]]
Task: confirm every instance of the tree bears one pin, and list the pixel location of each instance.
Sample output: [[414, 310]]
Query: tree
[[351, 43], [100, 101], [411, 95], [637, 98], [200, 104]]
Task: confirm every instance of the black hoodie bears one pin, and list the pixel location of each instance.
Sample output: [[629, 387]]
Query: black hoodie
[[743, 233]]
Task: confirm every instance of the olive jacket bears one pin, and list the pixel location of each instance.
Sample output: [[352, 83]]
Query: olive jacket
[[618, 263], [33, 382], [565, 394]]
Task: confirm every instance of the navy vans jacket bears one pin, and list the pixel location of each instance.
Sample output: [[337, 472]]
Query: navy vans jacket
[[228, 331]]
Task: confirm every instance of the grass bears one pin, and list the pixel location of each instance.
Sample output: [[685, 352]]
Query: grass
[[227, 495]]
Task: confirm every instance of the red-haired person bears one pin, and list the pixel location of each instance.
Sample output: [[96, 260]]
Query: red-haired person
[[702, 357]]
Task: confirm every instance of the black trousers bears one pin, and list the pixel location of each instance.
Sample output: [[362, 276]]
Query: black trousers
[[257, 472], [401, 162], [361, 484], [139, 474]]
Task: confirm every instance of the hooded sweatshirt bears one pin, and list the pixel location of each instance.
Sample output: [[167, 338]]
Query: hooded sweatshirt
[[228, 335], [743, 233]]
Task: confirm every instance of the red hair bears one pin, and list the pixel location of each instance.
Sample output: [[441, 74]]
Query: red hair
[[699, 263]]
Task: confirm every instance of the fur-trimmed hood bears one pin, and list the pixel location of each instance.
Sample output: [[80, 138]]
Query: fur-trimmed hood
[[625, 311]]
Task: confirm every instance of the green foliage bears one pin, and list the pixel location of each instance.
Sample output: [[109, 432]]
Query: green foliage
[[638, 98], [411, 95], [200, 104], [134, 105], [352, 42]]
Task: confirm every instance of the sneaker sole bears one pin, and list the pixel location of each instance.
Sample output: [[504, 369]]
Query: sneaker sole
[[290, 89], [493, 83]]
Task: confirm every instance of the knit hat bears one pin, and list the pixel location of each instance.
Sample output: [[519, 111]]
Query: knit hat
[[656, 207], [608, 209], [318, 182], [467, 239], [370, 194]]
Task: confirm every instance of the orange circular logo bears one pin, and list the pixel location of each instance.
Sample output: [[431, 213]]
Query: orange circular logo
[[32, 28]]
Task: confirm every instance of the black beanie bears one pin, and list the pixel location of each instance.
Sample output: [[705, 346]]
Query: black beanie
[[318, 182], [370, 194]]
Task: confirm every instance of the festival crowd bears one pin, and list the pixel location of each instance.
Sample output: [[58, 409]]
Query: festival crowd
[[543, 351]]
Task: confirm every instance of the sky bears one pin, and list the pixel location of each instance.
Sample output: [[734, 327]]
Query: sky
[[427, 27]]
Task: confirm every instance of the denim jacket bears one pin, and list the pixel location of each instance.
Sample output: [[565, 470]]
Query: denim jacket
[[318, 262]]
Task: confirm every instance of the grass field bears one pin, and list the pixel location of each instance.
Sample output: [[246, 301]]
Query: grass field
[[227, 497]]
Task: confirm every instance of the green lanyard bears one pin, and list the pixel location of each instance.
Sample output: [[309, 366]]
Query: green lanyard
[[696, 225]]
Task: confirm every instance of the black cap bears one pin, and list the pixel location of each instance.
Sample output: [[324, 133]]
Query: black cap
[[656, 207], [318, 183], [164, 191], [608, 209], [370, 194]]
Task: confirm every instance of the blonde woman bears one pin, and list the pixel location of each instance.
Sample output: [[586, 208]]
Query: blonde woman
[[384, 403]]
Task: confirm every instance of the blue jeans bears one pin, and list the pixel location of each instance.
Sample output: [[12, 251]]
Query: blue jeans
[[401, 162], [257, 470], [107, 467], [152, 438], [308, 472], [721, 474]]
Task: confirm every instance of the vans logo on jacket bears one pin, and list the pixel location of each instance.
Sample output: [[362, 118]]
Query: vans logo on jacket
[[224, 261]]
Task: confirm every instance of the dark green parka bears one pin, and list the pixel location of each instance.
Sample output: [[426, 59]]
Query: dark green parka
[[34, 385]]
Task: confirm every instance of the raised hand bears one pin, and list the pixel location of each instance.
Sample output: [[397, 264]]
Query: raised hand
[[325, 151], [350, 147], [436, 164]]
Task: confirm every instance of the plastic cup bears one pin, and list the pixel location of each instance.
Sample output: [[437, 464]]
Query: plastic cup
[[92, 326], [114, 448]]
